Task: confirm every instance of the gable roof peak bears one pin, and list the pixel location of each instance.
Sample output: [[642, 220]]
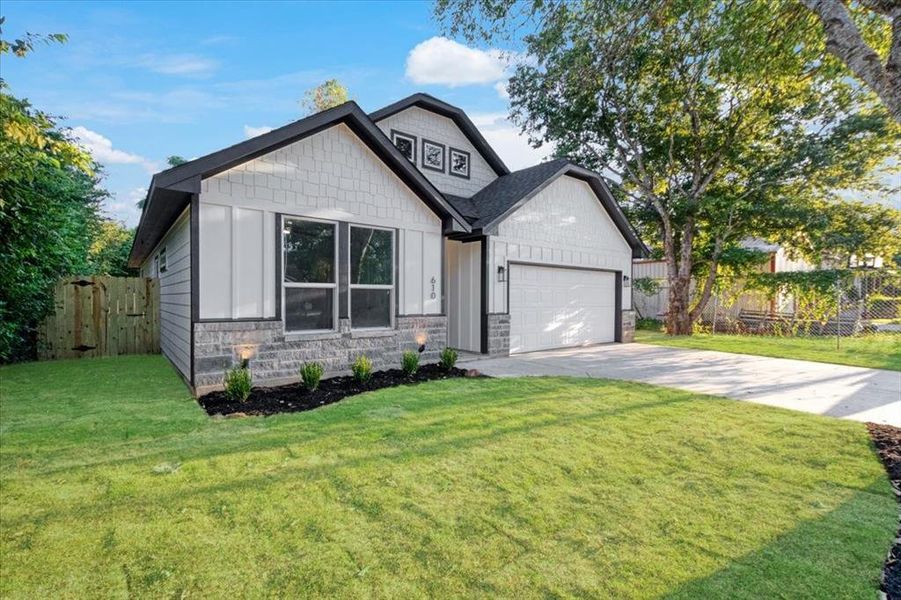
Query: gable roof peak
[[456, 114]]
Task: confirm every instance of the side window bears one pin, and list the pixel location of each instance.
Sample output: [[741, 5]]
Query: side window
[[162, 260], [371, 277], [310, 275]]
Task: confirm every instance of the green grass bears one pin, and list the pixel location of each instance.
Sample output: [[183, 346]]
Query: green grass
[[878, 351], [115, 484]]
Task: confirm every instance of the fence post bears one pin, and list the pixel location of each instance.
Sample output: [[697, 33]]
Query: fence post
[[715, 305], [838, 314]]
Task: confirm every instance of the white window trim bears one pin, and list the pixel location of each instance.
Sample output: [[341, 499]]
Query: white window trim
[[163, 258], [286, 285], [360, 286]]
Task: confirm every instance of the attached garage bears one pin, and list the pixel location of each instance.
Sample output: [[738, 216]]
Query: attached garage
[[554, 307], [555, 259]]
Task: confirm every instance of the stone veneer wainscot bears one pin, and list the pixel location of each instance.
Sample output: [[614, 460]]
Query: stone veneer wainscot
[[276, 357]]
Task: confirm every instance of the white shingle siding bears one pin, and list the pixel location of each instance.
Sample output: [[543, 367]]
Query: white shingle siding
[[564, 224], [436, 128], [331, 175], [175, 293]]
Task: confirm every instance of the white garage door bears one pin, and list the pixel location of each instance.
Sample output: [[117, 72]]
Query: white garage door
[[552, 307]]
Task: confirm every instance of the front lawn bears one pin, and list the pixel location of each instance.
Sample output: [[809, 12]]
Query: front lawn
[[115, 483], [878, 351]]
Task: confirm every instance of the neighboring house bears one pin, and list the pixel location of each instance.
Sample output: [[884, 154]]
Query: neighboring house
[[346, 233], [776, 260]]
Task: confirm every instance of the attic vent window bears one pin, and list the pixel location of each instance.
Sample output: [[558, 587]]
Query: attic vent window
[[406, 143]]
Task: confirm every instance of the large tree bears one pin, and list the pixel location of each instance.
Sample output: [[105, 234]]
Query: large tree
[[714, 121]]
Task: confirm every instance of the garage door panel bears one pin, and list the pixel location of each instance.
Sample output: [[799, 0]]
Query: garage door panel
[[554, 307]]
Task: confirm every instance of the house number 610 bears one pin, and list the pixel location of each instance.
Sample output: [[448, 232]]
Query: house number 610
[[433, 288]]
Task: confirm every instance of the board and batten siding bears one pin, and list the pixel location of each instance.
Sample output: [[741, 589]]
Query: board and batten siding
[[464, 274], [437, 128], [331, 175], [564, 224], [175, 293]]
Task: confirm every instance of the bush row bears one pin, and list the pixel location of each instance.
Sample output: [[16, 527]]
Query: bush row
[[238, 381]]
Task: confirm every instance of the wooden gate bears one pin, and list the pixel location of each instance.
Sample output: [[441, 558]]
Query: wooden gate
[[101, 316]]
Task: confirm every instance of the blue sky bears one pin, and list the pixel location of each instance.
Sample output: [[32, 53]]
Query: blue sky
[[138, 82]]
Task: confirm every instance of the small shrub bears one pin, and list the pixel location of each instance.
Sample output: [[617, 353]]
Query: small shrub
[[311, 373], [409, 362], [649, 324], [238, 383], [448, 358], [362, 369]]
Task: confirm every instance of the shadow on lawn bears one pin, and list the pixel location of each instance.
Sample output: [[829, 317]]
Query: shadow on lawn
[[803, 562]]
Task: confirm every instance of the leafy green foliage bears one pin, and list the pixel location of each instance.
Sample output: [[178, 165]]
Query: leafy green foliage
[[49, 213], [24, 45], [362, 369], [409, 362], [647, 285], [175, 160], [841, 231], [326, 95], [108, 254], [647, 324], [719, 121], [816, 293], [310, 374], [238, 383], [448, 358]]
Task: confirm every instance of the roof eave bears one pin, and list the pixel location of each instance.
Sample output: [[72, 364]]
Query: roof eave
[[185, 179]]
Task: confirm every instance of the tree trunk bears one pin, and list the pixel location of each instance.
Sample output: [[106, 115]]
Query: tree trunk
[[678, 317]]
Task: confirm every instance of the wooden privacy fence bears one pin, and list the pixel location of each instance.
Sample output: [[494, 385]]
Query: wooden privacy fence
[[101, 316]]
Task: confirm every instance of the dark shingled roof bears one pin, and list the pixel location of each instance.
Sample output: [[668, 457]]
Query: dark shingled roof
[[503, 193], [464, 206]]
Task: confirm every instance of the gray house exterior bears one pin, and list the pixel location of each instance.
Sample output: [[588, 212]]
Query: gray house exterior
[[348, 233]]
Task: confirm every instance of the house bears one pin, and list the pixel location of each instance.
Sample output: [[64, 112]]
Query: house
[[347, 233]]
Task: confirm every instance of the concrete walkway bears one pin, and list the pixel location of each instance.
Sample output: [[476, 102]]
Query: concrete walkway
[[826, 389]]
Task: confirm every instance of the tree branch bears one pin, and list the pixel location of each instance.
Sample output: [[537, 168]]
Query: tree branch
[[843, 39]]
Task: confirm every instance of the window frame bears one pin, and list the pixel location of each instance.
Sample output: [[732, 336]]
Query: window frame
[[163, 265], [294, 285], [392, 293]]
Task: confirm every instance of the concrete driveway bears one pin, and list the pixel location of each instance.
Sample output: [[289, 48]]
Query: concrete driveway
[[825, 389]]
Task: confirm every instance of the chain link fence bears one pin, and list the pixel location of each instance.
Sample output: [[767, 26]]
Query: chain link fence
[[829, 303]]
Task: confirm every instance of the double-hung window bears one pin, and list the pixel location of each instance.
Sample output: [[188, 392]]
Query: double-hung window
[[371, 277], [310, 275]]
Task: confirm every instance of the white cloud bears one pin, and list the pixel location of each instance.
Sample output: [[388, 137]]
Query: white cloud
[[251, 131], [439, 60], [124, 206], [186, 65], [501, 88], [511, 145], [101, 148]]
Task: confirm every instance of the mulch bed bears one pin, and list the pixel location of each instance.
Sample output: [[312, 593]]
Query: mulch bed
[[294, 397], [887, 440]]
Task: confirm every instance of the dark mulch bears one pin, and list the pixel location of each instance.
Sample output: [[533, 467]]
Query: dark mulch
[[295, 397], [888, 445]]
